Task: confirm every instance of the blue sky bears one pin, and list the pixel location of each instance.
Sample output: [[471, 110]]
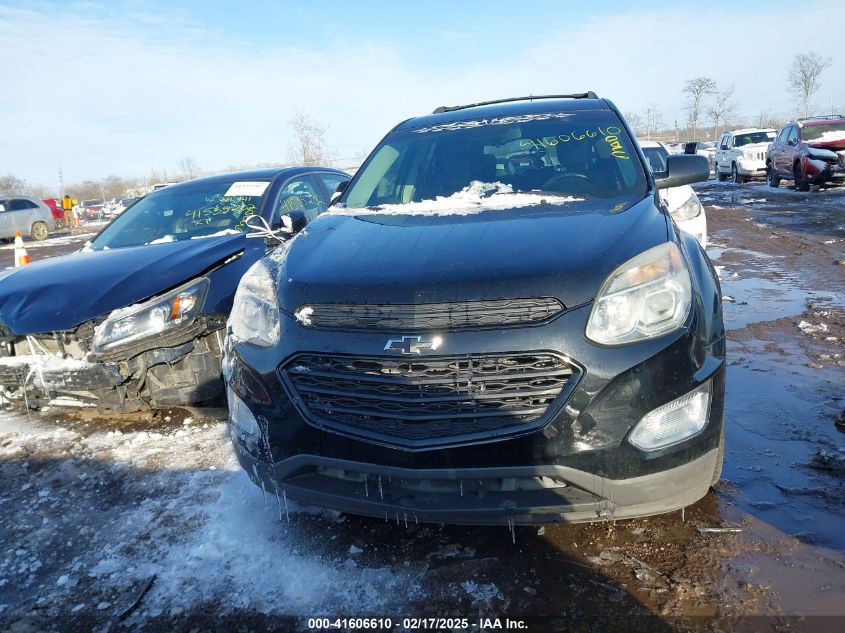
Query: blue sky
[[126, 87]]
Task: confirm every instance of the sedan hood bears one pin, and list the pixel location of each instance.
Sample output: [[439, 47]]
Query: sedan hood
[[542, 251], [62, 292]]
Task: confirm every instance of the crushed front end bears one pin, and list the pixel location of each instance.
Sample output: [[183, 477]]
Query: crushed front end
[[161, 352]]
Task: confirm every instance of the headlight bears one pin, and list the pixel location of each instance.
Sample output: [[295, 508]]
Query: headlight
[[673, 422], [647, 296], [155, 316], [688, 210], [255, 315]]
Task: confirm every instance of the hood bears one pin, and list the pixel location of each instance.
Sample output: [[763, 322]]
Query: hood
[[61, 292], [542, 251], [832, 144], [754, 147]]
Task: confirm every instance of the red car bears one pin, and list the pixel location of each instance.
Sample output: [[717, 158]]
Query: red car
[[56, 210], [808, 152]]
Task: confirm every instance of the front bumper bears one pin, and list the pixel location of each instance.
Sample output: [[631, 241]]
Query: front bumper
[[480, 496], [751, 168]]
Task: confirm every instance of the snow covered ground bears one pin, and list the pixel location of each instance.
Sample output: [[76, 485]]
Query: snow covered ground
[[90, 514]]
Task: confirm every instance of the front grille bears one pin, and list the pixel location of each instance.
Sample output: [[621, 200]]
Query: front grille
[[427, 399], [433, 316]]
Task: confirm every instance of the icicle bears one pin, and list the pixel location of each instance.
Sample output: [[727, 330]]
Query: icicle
[[366, 487], [285, 497], [461, 482], [380, 490], [263, 490], [406, 519], [279, 501], [397, 518], [512, 529]]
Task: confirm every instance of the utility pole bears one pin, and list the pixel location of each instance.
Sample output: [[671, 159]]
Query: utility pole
[[61, 183]]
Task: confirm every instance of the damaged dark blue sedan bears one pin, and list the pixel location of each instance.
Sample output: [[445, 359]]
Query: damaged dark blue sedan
[[135, 319], [497, 322]]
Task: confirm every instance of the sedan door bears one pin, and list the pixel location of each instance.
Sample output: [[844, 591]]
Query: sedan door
[[301, 199]]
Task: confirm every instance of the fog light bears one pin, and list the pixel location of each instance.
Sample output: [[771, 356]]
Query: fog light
[[673, 422], [243, 422]]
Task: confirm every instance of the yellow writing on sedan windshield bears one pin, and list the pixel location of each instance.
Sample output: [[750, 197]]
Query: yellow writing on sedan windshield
[[237, 206]]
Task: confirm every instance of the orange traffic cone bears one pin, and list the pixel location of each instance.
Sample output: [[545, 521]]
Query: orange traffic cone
[[21, 256]]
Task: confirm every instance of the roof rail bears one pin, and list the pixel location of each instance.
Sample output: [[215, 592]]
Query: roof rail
[[580, 95], [821, 117]]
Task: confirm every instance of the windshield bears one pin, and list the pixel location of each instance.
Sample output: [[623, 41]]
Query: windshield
[[824, 133], [753, 137], [656, 157], [584, 154], [184, 212]]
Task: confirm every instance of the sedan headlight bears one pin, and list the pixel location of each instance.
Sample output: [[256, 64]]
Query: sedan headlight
[[255, 315], [688, 210], [647, 296], [152, 317]]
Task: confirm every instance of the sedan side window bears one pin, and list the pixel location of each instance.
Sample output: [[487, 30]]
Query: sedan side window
[[331, 181], [300, 195], [16, 205], [724, 143]]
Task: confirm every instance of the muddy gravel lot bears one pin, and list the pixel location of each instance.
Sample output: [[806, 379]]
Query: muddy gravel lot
[[146, 523]]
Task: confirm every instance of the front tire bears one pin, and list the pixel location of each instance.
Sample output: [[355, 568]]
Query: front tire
[[719, 175], [736, 176], [800, 183], [773, 178], [39, 231]]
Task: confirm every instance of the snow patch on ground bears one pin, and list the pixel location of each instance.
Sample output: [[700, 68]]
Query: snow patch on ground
[[172, 504], [55, 241]]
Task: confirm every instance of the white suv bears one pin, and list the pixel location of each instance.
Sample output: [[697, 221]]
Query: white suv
[[741, 154]]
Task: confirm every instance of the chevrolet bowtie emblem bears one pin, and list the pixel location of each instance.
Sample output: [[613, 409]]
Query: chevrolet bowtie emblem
[[413, 344]]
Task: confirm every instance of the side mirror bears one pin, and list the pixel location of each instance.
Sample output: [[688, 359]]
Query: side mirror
[[294, 221], [792, 141], [682, 169], [341, 187]]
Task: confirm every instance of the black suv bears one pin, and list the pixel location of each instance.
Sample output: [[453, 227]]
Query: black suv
[[496, 322]]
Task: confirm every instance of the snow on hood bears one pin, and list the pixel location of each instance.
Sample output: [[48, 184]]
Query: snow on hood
[[475, 198], [830, 136]]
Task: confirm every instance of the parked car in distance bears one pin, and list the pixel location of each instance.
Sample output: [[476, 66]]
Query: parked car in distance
[[119, 206], [90, 210], [28, 215], [496, 322], [702, 148], [808, 152], [55, 206], [684, 206], [135, 319], [741, 154]]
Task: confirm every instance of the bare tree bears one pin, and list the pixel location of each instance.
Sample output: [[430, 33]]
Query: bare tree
[[309, 144], [804, 77], [10, 184], [654, 119], [635, 121], [189, 167], [697, 90], [723, 106]]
